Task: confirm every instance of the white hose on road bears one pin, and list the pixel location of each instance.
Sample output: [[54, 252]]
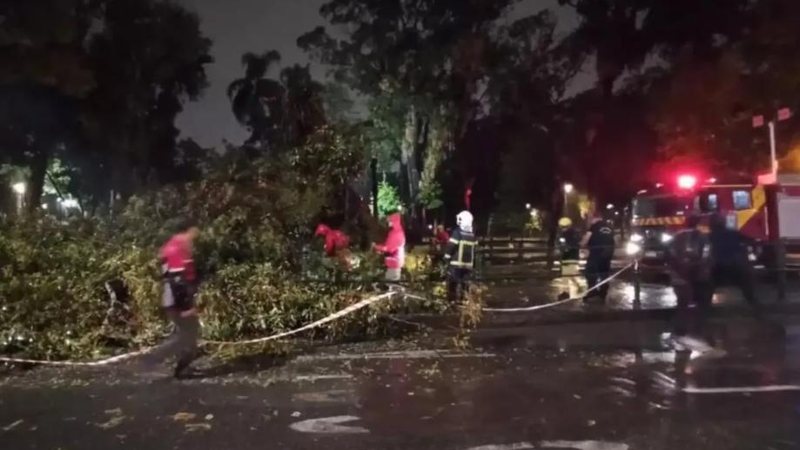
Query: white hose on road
[[561, 302], [119, 358]]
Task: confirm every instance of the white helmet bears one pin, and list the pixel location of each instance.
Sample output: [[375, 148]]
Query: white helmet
[[464, 220]]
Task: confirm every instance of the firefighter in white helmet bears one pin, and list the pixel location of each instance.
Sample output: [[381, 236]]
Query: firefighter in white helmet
[[460, 257]]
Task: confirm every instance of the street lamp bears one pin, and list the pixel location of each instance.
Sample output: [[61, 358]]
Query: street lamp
[[568, 188], [19, 189]]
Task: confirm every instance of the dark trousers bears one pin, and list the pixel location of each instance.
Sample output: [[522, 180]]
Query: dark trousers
[[458, 280], [693, 321], [739, 274], [598, 268], [182, 344], [570, 253]]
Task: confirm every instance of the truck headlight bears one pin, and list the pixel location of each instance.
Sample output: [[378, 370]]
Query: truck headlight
[[666, 237], [632, 248], [637, 238]]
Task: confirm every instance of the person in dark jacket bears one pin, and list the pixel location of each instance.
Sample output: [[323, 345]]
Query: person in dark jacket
[[729, 253], [689, 264], [570, 240], [600, 242], [460, 257]]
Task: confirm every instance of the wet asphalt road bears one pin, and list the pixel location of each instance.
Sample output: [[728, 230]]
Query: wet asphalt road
[[602, 385], [532, 390]]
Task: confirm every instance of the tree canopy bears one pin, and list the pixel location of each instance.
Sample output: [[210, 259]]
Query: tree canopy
[[100, 83]]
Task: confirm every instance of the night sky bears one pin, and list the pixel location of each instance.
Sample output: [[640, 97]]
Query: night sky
[[240, 26]]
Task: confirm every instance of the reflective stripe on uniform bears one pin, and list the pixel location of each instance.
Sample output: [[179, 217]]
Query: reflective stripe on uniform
[[461, 264], [460, 261]]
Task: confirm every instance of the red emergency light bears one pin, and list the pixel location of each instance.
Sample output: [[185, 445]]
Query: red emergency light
[[687, 181]]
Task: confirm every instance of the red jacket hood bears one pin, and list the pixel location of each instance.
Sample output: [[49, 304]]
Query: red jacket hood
[[322, 230], [396, 221]]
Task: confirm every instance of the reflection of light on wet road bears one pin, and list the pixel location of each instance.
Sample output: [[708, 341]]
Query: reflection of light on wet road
[[651, 295], [627, 359]]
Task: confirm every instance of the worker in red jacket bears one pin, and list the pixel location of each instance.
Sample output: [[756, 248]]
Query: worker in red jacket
[[337, 245], [393, 248], [438, 244], [178, 300], [441, 238]]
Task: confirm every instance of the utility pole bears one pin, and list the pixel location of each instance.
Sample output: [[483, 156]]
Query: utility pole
[[778, 244], [758, 122], [772, 151]]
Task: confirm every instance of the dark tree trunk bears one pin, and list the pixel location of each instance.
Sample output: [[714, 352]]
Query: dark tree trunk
[[36, 181]]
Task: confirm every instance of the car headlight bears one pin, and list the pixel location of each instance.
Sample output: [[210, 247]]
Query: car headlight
[[637, 238], [632, 248], [666, 237]]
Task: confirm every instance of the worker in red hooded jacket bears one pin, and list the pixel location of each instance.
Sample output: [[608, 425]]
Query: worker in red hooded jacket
[[393, 248], [337, 245], [180, 288]]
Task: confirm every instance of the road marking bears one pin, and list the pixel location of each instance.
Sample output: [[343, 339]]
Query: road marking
[[411, 354], [585, 445], [741, 389], [574, 445], [13, 425], [328, 425], [517, 446], [670, 382]]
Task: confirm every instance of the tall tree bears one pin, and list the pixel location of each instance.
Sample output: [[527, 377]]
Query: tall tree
[[429, 56], [624, 36], [148, 58], [122, 67], [43, 72], [36, 124], [702, 107], [258, 102], [305, 108]]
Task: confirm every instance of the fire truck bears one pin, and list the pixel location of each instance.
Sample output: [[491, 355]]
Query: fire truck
[[765, 211]]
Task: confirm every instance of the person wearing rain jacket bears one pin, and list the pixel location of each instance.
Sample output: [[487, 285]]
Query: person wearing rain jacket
[[393, 248], [337, 245], [180, 287]]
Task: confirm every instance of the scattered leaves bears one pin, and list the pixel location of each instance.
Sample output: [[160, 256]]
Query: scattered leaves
[[192, 427], [184, 417], [13, 425]]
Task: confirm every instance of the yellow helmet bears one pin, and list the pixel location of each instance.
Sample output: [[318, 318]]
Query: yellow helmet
[[564, 222]]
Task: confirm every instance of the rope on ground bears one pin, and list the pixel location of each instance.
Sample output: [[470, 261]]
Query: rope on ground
[[97, 363], [119, 358], [349, 310], [561, 302]]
